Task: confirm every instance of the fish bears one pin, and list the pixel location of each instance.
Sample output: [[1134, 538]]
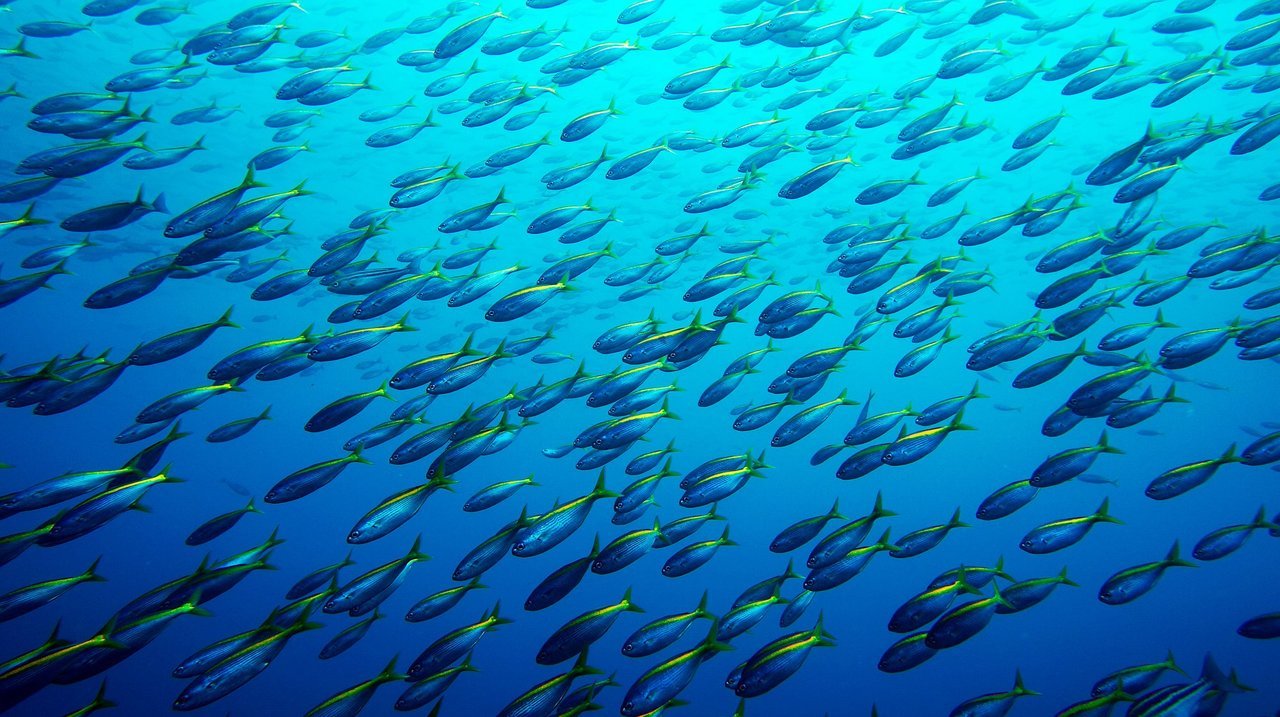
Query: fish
[[1210, 690], [562, 581], [1132, 583], [431, 687], [994, 703], [237, 428], [317, 578], [491, 495], [239, 668], [97, 510], [835, 571], [1028, 593], [1064, 466], [23, 600], [451, 647], [439, 603], [1136, 679], [662, 683], [581, 632], [963, 622], [663, 632], [552, 693], [344, 409], [349, 636], [802, 532], [1177, 481], [216, 526], [353, 699], [1061, 534], [747, 615], [1262, 627], [779, 660], [924, 539], [374, 581], [555, 526], [305, 481], [693, 556], [1224, 541], [395, 510]]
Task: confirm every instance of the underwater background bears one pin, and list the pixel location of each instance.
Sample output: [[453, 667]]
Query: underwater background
[[936, 67]]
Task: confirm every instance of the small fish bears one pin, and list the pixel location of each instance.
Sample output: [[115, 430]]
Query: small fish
[[665, 681], [1224, 541], [441, 602], [1061, 534], [453, 646], [562, 581], [1062, 467], [314, 580], [1029, 593], [395, 510], [555, 526], [961, 623], [23, 600], [691, 557], [218, 525], [996, 703], [550, 694], [1132, 583], [375, 581], [625, 549], [349, 636], [1176, 481], [582, 631], [239, 668], [803, 531], [779, 660], [746, 616], [493, 494], [924, 539], [237, 428], [663, 632], [352, 700], [1137, 679], [839, 542], [97, 510], [306, 481], [1205, 693], [1262, 627]]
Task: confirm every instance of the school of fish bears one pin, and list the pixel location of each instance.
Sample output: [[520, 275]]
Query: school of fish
[[665, 247]]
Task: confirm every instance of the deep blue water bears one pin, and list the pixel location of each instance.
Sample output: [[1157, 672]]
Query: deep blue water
[[1061, 646]]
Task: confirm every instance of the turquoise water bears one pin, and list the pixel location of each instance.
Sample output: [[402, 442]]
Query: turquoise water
[[752, 130]]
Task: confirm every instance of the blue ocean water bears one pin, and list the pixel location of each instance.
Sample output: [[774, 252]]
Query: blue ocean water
[[1061, 646]]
